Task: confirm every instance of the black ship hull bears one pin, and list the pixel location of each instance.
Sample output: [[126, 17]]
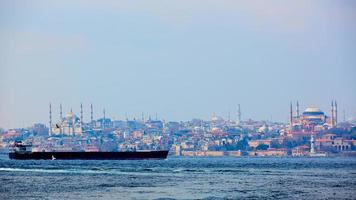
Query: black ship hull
[[130, 155]]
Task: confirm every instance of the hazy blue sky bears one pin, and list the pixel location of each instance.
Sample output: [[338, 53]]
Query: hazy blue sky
[[181, 59]]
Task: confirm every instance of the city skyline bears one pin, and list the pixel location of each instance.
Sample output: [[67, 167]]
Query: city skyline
[[179, 99], [86, 114], [180, 60]]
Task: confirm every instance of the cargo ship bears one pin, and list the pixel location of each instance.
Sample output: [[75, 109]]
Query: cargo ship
[[22, 151]]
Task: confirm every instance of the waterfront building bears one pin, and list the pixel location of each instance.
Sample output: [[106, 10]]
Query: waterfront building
[[176, 149], [255, 143], [340, 144], [301, 151], [203, 153], [269, 152], [234, 153]]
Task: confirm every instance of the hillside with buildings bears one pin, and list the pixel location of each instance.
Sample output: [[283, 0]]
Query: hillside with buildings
[[308, 133]]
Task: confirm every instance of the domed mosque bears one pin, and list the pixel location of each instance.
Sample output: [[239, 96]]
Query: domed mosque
[[312, 119], [70, 125]]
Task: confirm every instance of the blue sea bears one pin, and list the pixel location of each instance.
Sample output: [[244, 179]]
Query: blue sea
[[180, 178]]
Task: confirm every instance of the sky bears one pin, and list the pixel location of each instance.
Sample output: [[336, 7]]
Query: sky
[[180, 59]]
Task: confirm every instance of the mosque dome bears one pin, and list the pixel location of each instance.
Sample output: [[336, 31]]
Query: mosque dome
[[215, 130], [69, 115], [313, 111], [263, 129], [216, 119]]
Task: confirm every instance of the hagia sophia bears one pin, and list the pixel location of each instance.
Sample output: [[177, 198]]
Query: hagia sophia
[[311, 120]]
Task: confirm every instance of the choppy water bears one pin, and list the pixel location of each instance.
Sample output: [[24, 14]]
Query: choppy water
[[180, 178]]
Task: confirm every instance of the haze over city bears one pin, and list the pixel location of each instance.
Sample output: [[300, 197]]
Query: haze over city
[[181, 60]]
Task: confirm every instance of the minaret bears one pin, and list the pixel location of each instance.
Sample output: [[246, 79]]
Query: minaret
[[297, 109], [73, 123], [61, 118], [91, 114], [50, 119], [291, 116], [312, 144], [81, 115], [60, 112], [332, 114], [335, 110], [238, 114]]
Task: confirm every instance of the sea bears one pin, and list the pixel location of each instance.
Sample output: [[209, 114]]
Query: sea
[[180, 178]]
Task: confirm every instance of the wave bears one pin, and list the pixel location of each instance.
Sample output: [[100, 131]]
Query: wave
[[125, 170], [87, 171], [32, 170], [74, 171]]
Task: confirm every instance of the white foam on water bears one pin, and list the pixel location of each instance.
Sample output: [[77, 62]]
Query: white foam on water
[[34, 170], [73, 171], [70, 171]]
